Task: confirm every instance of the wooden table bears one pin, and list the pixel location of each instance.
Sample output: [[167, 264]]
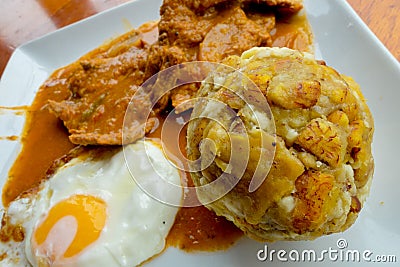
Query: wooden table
[[24, 20]]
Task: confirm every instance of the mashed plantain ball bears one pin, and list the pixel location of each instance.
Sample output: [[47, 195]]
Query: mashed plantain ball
[[320, 132]]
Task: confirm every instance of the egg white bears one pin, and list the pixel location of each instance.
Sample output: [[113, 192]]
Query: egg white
[[136, 224]]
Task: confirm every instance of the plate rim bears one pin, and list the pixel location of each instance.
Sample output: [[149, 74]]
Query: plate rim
[[395, 65]]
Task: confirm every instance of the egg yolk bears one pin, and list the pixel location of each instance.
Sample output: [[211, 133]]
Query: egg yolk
[[71, 226]]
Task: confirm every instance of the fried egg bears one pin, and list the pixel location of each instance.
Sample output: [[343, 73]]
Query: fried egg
[[91, 212]]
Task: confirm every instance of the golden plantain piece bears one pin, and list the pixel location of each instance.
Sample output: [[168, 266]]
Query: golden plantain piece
[[319, 128], [325, 140]]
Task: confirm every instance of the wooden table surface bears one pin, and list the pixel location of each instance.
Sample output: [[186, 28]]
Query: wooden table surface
[[24, 20]]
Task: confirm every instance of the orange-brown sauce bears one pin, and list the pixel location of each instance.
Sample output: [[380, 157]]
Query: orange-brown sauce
[[9, 138], [293, 32], [45, 139], [199, 229], [17, 110]]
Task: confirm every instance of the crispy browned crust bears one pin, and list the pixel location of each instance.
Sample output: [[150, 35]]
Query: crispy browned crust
[[201, 5], [15, 232]]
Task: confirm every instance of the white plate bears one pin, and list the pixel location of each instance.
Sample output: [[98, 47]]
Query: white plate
[[343, 41]]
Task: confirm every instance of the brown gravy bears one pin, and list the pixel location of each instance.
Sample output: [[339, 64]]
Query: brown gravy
[[9, 138], [293, 32], [45, 139]]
